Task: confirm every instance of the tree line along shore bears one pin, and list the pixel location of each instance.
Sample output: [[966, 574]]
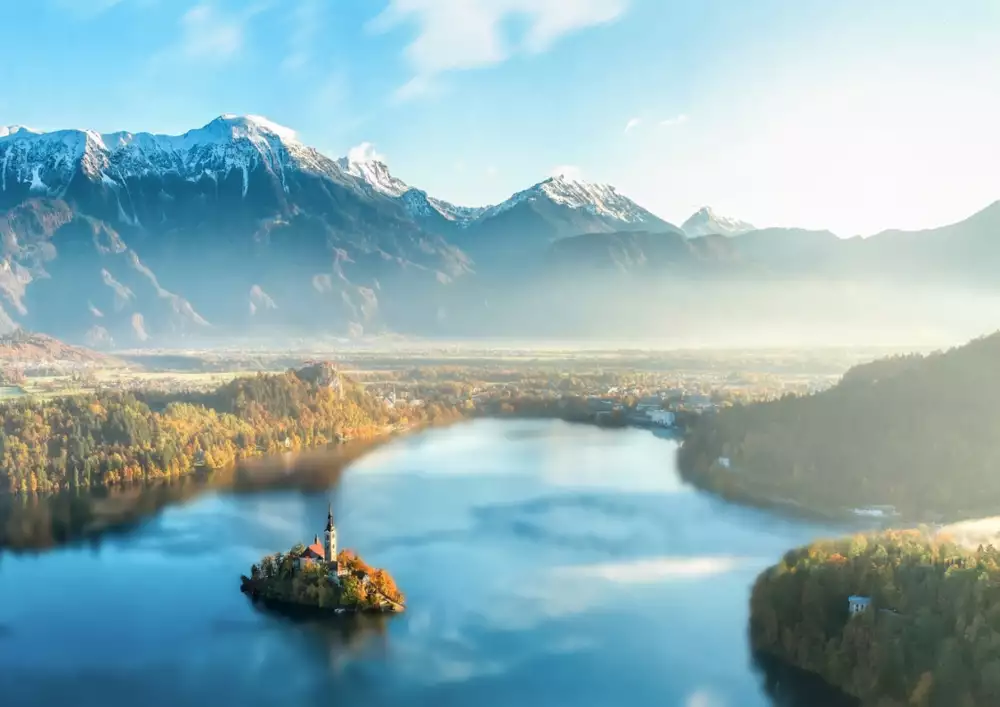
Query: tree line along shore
[[917, 433], [104, 439]]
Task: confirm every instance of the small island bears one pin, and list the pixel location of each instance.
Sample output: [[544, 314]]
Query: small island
[[903, 618], [304, 580]]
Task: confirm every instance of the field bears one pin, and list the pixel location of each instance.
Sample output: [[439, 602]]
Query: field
[[75, 384], [743, 375]]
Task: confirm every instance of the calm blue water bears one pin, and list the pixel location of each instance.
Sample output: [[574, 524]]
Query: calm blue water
[[544, 564]]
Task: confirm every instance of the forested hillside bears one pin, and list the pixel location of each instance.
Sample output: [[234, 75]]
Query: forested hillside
[[920, 433], [930, 637], [108, 438]]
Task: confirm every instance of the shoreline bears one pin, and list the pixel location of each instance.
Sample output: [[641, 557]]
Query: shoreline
[[40, 521], [350, 449], [739, 493], [296, 609]]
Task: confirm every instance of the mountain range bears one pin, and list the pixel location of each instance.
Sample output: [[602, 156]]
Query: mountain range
[[238, 227]]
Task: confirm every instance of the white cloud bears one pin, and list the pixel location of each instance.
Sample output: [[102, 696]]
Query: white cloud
[[306, 20], [567, 171], [631, 124], [414, 88], [465, 34], [365, 152], [702, 698], [676, 120], [207, 33], [658, 569]]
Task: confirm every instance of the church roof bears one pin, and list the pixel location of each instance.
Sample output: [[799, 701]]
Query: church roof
[[329, 517], [315, 550]]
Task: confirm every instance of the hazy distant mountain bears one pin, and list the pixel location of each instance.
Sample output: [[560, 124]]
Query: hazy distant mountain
[[705, 222], [637, 252], [239, 227]]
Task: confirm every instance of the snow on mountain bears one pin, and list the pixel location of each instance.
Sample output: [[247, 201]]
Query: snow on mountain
[[46, 163], [6, 130], [462, 215], [597, 199], [374, 173], [228, 143], [705, 222], [367, 165]]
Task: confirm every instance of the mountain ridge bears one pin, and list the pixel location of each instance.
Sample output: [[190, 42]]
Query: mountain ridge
[[706, 222], [237, 226]]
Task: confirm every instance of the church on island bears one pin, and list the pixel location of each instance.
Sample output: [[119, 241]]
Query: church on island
[[325, 552]]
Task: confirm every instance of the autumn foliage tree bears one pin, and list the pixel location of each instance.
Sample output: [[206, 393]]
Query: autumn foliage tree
[[111, 438], [930, 638]]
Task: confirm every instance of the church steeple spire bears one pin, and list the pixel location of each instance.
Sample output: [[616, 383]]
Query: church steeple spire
[[330, 539]]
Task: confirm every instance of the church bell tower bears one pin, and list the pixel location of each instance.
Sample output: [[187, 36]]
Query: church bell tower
[[330, 538]]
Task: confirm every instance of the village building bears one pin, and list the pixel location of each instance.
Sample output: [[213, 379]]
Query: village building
[[857, 604], [663, 418]]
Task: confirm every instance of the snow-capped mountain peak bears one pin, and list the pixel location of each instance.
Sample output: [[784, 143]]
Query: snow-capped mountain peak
[[240, 146], [255, 124], [705, 222], [367, 165], [6, 130], [598, 199], [364, 163], [230, 142]]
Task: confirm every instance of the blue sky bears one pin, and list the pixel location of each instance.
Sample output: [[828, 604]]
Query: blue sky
[[850, 115]]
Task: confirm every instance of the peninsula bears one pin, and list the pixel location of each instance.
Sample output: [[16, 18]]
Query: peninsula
[[905, 618], [319, 579], [908, 435]]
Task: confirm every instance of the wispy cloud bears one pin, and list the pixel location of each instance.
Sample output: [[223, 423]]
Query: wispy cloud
[[365, 152], [414, 88], [454, 35], [632, 124], [658, 569], [306, 19], [676, 120], [208, 33], [567, 171]]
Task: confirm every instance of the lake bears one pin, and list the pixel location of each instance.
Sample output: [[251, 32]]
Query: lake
[[544, 564]]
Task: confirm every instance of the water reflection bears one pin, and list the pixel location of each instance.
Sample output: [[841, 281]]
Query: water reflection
[[544, 564], [343, 639], [33, 523], [790, 687]]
